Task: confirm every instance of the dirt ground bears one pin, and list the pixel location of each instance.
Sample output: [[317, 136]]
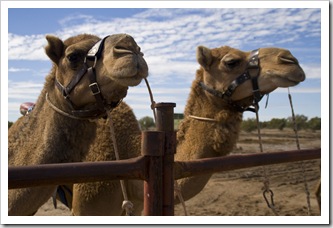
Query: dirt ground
[[240, 192]]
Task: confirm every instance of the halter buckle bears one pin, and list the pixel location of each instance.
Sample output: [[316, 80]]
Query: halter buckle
[[95, 88], [65, 93]]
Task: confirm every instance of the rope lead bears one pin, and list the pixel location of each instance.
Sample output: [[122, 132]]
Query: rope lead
[[298, 147], [270, 203], [127, 205]]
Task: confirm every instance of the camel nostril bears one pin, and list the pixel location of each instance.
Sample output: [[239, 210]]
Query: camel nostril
[[287, 57], [122, 50], [288, 60]]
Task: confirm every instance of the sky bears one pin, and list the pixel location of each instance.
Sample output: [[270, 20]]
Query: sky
[[168, 37]]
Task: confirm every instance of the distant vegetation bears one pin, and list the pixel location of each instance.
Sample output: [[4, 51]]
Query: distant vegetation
[[248, 125], [302, 123], [146, 123]]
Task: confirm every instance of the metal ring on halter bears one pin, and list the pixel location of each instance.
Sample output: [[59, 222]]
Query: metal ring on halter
[[95, 61], [251, 72]]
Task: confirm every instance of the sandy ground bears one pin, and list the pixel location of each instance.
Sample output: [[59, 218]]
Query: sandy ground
[[240, 192]]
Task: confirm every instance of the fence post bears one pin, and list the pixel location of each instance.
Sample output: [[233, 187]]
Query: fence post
[[165, 123], [152, 148]]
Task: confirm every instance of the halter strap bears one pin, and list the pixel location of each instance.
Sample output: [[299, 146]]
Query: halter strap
[[101, 105], [96, 50], [66, 90], [252, 72]]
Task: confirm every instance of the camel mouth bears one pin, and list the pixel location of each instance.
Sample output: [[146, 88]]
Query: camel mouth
[[287, 82], [130, 80]]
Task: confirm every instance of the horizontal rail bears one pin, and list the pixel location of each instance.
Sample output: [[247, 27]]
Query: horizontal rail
[[233, 162], [135, 168], [78, 172]]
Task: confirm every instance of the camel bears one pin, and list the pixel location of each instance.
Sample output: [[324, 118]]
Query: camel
[[220, 93], [89, 77]]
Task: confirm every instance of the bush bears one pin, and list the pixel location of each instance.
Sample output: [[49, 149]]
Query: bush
[[146, 123], [301, 122], [276, 123], [249, 125], [314, 123]]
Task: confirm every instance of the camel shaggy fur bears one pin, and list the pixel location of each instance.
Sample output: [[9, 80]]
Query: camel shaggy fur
[[51, 133], [128, 137], [195, 138], [201, 139]]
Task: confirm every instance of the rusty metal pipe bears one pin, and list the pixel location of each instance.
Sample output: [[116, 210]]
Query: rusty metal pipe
[[78, 172], [55, 174], [233, 162], [153, 148], [165, 123]]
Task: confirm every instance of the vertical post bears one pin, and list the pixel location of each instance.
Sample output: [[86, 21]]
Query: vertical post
[[165, 123], [152, 148]]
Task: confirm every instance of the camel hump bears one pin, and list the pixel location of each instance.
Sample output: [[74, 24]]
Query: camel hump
[[26, 107]]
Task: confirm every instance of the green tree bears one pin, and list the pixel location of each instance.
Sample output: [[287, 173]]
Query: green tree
[[314, 123], [276, 123], [146, 123], [301, 122], [10, 124], [249, 125]]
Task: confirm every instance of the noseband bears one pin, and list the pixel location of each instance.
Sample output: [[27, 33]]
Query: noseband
[[252, 72], [101, 105]]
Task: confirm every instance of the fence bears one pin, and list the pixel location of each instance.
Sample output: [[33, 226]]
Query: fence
[[155, 167]]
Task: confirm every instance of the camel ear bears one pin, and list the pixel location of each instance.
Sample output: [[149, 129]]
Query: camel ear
[[204, 57], [54, 49]]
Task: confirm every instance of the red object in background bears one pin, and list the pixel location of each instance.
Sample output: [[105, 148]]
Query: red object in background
[[26, 107]]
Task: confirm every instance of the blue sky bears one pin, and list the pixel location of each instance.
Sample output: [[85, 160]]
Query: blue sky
[[168, 38]]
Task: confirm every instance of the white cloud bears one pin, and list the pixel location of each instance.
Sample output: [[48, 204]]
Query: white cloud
[[14, 70], [312, 71], [27, 91], [180, 30], [26, 47], [298, 90], [169, 37], [77, 19]]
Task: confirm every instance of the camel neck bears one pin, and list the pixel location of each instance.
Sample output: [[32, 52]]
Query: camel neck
[[204, 139], [202, 104], [198, 139], [55, 137]]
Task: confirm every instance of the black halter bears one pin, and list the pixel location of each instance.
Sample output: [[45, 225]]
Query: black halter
[[101, 105], [252, 72]]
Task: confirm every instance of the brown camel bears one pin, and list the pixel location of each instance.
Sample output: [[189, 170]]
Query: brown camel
[[89, 77], [221, 92]]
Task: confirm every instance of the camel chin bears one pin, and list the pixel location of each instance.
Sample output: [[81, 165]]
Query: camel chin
[[128, 81], [284, 82]]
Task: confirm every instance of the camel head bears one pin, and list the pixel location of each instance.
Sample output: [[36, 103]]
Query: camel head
[[222, 69], [116, 62]]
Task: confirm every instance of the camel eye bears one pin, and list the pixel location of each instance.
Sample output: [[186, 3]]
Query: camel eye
[[232, 63], [73, 57]]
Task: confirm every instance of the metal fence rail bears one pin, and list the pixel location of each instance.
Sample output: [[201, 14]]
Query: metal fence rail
[[156, 167], [233, 162]]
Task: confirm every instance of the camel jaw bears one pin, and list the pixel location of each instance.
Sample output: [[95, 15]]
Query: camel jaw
[[129, 81], [284, 82]]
